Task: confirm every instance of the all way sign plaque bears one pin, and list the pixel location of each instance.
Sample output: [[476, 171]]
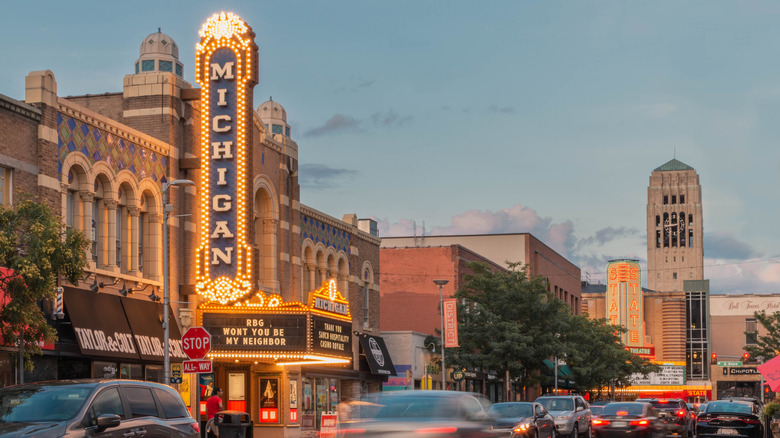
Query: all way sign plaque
[[197, 366]]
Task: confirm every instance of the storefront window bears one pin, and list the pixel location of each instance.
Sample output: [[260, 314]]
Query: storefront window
[[154, 373], [105, 370], [131, 371], [320, 395]]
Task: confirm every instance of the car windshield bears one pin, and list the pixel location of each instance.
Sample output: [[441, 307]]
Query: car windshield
[[416, 407], [666, 404], [41, 403], [557, 404], [741, 408], [511, 410], [623, 409], [596, 410]]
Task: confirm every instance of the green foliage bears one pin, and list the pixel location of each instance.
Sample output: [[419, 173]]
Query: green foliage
[[37, 250], [767, 345], [771, 408], [597, 357], [507, 322]]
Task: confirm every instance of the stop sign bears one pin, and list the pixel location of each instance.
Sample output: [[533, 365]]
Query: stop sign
[[196, 342]]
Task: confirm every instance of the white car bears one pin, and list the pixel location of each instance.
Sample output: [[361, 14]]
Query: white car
[[572, 415]]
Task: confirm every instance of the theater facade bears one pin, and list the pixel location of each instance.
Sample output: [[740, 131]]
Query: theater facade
[[289, 294]]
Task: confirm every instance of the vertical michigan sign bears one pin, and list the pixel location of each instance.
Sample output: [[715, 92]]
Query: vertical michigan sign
[[625, 301], [226, 69]]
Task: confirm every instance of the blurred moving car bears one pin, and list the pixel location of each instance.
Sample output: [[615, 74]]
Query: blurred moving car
[[571, 413], [522, 419], [730, 419], [596, 411], [422, 412], [95, 408], [628, 419], [675, 415]]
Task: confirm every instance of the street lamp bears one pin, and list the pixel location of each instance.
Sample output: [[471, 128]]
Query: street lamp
[[441, 283], [167, 208]]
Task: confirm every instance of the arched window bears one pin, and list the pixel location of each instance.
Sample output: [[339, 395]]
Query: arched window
[[368, 279]]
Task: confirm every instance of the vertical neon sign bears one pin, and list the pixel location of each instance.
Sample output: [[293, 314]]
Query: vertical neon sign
[[226, 69], [625, 300]]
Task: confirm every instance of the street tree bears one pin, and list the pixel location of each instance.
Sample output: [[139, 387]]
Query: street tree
[[35, 250], [766, 346], [597, 356], [507, 322]]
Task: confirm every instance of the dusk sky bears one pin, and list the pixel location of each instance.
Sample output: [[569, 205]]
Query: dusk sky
[[486, 117]]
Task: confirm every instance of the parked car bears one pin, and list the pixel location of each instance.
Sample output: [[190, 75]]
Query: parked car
[[429, 413], [628, 419], [522, 419], [97, 408], [675, 415], [730, 418], [571, 413]]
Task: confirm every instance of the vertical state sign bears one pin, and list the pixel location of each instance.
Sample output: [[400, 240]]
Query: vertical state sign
[[450, 323], [226, 70], [625, 300]]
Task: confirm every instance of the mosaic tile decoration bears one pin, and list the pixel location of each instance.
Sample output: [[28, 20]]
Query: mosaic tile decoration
[[328, 235], [99, 145]]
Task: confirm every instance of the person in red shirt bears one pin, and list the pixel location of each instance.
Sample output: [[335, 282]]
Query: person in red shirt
[[213, 405]]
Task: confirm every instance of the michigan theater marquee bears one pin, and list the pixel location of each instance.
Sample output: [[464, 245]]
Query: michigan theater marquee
[[286, 362]]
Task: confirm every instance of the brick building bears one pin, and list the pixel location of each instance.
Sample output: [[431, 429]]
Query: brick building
[[102, 161]]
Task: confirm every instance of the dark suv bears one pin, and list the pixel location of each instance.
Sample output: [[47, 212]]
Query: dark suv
[[97, 408], [674, 414]]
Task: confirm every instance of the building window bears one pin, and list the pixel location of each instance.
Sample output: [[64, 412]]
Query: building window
[[95, 232], [5, 185], [70, 208], [287, 131], [179, 70], [366, 291], [751, 331], [666, 199], [674, 199], [137, 68], [277, 129], [166, 66], [674, 275], [143, 217], [682, 199], [147, 65]]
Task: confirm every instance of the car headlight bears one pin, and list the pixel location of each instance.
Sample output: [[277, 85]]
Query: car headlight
[[522, 427]]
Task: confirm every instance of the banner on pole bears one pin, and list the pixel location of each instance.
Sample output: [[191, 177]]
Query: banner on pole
[[450, 323]]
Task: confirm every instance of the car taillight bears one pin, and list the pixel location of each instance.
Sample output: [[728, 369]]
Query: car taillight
[[681, 413], [600, 422], [520, 428], [621, 413], [436, 430], [195, 426], [639, 423], [704, 418], [752, 420]]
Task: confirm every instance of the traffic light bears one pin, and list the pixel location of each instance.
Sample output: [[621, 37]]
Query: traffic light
[[714, 359], [745, 357]]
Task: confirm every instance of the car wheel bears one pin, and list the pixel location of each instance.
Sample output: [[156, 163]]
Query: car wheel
[[575, 431], [589, 431]]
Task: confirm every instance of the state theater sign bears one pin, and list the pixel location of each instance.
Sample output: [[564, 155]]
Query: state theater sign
[[243, 322]]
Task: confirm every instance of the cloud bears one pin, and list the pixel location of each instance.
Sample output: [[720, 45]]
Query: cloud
[[516, 219], [751, 276], [339, 122], [389, 119], [723, 245], [345, 123], [606, 235], [319, 176], [501, 110]]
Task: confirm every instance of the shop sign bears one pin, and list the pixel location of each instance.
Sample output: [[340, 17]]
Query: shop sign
[[329, 424], [256, 331], [730, 363], [625, 300], [669, 375], [742, 371], [331, 337]]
